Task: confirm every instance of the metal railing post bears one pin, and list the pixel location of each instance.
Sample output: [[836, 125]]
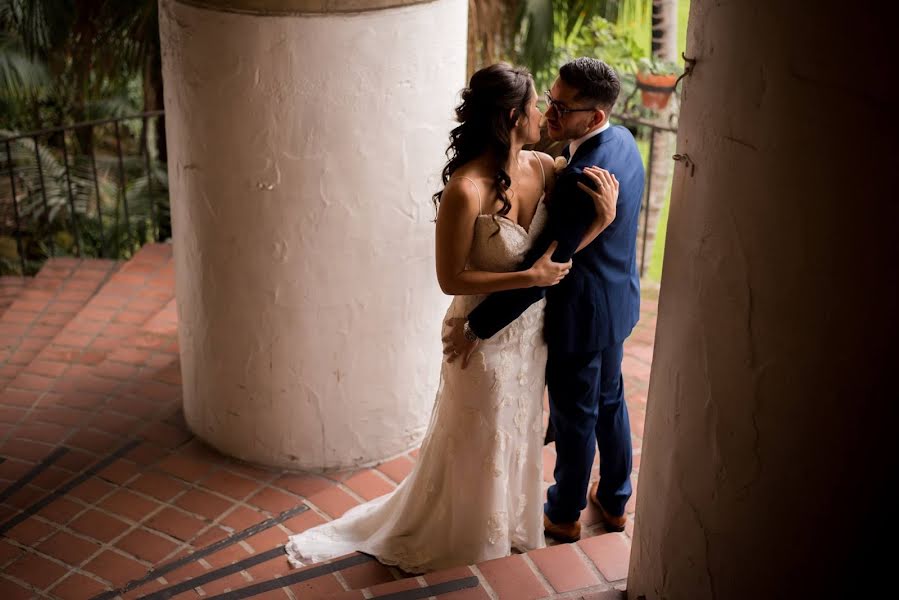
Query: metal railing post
[[15, 207], [73, 214], [40, 176]]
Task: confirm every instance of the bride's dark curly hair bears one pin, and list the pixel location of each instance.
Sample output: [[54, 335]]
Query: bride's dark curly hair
[[486, 121]]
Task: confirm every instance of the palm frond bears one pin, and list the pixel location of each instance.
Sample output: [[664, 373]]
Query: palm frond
[[43, 188], [43, 24], [546, 25], [118, 105], [537, 24], [635, 17], [21, 76]]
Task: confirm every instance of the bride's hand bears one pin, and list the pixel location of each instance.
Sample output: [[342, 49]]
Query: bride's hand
[[545, 272], [605, 196]]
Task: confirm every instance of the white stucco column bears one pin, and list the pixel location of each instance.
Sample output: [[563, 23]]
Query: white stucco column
[[770, 431], [305, 140]]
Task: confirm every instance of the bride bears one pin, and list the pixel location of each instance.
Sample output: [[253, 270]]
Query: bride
[[476, 491]]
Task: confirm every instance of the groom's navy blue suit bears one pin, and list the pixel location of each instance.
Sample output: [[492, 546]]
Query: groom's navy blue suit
[[588, 316]]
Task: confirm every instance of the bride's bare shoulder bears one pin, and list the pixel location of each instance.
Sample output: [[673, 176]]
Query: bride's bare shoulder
[[461, 193], [546, 161]]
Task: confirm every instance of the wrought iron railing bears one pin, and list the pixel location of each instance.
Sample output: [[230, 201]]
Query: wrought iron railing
[[644, 130], [100, 189], [93, 189]]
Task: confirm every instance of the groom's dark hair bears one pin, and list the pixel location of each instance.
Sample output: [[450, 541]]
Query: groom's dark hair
[[594, 80]]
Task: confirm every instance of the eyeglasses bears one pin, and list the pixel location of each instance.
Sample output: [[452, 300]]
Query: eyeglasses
[[561, 110]]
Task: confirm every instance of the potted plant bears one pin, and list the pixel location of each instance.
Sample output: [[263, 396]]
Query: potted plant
[[655, 80]]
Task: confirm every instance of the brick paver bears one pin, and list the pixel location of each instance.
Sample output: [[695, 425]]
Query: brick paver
[[104, 488], [10, 287], [37, 314]]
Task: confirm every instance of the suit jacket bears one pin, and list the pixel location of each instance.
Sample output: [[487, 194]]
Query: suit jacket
[[598, 303]]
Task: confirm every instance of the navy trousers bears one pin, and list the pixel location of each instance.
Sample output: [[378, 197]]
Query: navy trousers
[[587, 408]]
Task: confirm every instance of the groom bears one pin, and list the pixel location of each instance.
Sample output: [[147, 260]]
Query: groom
[[591, 312]]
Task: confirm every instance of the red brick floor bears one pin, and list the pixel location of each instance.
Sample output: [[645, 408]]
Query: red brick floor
[[105, 492], [10, 288]]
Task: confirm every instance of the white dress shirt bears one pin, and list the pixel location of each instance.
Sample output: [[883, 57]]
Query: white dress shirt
[[573, 146]]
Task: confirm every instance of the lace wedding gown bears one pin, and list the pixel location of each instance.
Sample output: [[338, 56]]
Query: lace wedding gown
[[476, 491]]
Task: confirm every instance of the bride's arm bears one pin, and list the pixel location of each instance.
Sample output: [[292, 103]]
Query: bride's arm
[[456, 216], [605, 198], [604, 203]]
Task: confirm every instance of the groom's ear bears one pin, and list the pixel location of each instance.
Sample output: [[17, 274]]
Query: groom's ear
[[599, 116]]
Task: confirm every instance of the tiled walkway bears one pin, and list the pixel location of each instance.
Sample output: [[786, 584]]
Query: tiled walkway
[[104, 491]]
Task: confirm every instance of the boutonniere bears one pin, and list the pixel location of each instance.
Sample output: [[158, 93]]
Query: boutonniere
[[559, 164]]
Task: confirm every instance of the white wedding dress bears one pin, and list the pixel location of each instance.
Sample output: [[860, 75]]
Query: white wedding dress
[[476, 491]]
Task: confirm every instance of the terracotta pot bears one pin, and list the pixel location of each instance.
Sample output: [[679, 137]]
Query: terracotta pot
[[655, 90]]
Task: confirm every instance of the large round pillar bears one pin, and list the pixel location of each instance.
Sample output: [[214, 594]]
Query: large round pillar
[[770, 419], [306, 139]]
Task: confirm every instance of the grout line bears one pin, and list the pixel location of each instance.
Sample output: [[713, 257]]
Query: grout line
[[67, 487], [342, 581], [181, 545], [384, 477], [98, 292], [95, 505], [540, 577], [152, 466], [586, 560], [69, 569], [484, 583], [34, 472], [25, 584]]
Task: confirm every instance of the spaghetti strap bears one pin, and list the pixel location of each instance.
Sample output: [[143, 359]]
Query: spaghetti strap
[[542, 170], [478, 190]]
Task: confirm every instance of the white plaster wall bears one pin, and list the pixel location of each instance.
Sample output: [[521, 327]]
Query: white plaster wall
[[764, 471], [303, 154]]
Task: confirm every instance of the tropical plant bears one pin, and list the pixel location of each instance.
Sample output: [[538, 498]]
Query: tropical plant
[[75, 212], [23, 80], [526, 31], [602, 39], [68, 61], [664, 61], [658, 66], [74, 60], [41, 182], [546, 24], [542, 34]]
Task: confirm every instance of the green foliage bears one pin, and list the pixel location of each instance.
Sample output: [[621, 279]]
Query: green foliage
[[543, 23], [65, 61], [616, 31], [94, 216], [546, 25], [634, 19], [21, 76], [600, 38], [610, 42], [69, 61], [658, 67]]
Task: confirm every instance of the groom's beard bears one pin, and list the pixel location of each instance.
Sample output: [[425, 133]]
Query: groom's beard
[[586, 130], [551, 132], [566, 134]]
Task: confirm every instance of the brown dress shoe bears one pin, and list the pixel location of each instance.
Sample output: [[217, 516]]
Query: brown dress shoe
[[611, 522], [563, 532]]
